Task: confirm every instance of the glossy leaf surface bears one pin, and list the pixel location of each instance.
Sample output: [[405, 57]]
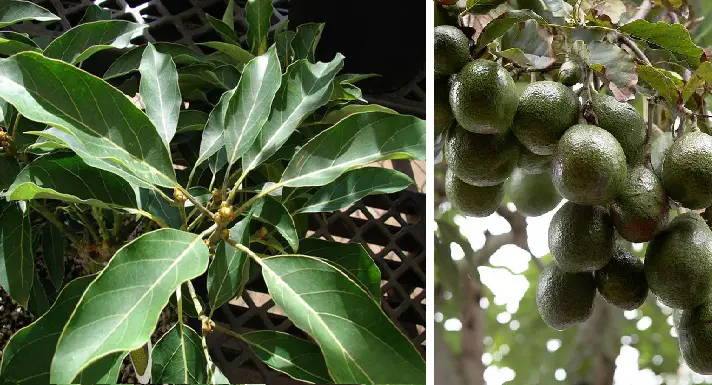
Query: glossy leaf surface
[[84, 40], [159, 92], [229, 270], [178, 358]]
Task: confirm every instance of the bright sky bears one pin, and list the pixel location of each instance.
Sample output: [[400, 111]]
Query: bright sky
[[509, 287]]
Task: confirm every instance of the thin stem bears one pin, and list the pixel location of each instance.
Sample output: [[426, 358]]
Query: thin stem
[[118, 222], [243, 248], [85, 221], [236, 188], [196, 222], [229, 332], [163, 195], [209, 230], [226, 179], [194, 201], [278, 248], [183, 217], [99, 217], [196, 302], [50, 216], [643, 11], [255, 198], [634, 47]]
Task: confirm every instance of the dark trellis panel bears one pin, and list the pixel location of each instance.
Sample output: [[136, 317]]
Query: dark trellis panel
[[391, 227]]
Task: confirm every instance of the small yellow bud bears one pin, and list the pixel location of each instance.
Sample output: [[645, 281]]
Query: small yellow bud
[[225, 233], [178, 195], [226, 213]]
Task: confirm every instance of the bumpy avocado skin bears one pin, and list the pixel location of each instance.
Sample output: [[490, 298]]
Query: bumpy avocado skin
[[472, 200], [687, 170], [483, 97], [622, 281], [545, 111], [624, 123], [642, 207], [443, 117], [533, 194], [481, 160], [451, 49], [589, 165], [695, 337], [581, 238], [678, 262], [532, 163], [564, 299]]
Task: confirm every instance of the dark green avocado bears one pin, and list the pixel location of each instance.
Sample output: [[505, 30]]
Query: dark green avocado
[[481, 160], [589, 166], [443, 117], [687, 170], [564, 299], [622, 281], [581, 238], [472, 200], [678, 262], [483, 98], [545, 111], [624, 123], [695, 337], [451, 49], [533, 194], [532, 163], [641, 208]]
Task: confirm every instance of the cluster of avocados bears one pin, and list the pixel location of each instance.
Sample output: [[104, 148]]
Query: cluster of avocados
[[532, 145]]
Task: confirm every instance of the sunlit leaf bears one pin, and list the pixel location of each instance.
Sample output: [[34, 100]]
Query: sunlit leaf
[[229, 270], [159, 92], [178, 358], [668, 36], [15, 11], [13, 42], [223, 29], [95, 13], [271, 211], [660, 82], [234, 51], [305, 41], [124, 303], [258, 14], [131, 60], [84, 40]]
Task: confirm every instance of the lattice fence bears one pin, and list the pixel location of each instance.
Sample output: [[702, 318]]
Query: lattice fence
[[391, 227]]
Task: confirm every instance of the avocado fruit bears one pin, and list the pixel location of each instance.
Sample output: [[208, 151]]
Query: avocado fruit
[[532, 163], [695, 337], [687, 170], [483, 97], [624, 123], [564, 299], [570, 73], [678, 262], [472, 200], [622, 281], [642, 207], [589, 166], [479, 159], [451, 49], [546, 109], [443, 117], [532, 194], [581, 238]]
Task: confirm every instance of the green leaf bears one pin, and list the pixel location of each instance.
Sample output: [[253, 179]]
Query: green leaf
[[95, 120], [234, 51], [10, 168], [353, 142], [178, 358], [272, 212], [661, 83], [125, 301], [15, 11], [346, 92], [104, 371], [481, 6], [335, 116], [95, 13], [188, 305], [39, 301], [516, 55], [159, 92], [283, 41], [28, 354], [66, 177], [297, 358], [305, 41], [212, 140], [249, 107], [224, 30], [13, 42], [354, 185], [533, 41], [351, 258], [17, 259], [615, 68], [228, 75], [84, 40], [229, 15], [53, 253], [499, 26], [702, 75], [131, 60], [361, 346], [229, 270], [258, 14], [151, 202], [215, 376], [191, 120], [305, 87], [673, 38]]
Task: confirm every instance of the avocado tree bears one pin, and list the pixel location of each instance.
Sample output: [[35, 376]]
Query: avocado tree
[[601, 105], [176, 163]]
